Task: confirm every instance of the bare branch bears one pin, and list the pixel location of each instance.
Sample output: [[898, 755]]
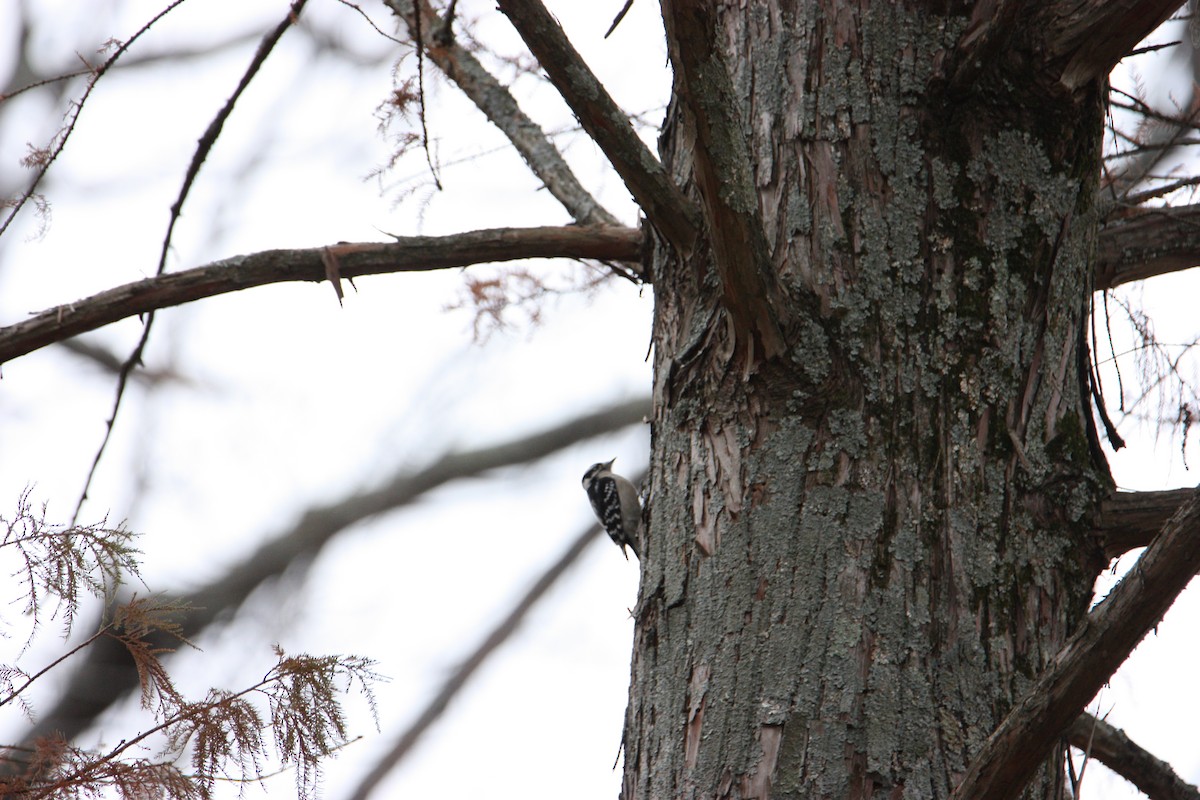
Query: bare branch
[[1022, 741], [724, 175], [665, 206], [43, 158], [500, 107], [108, 673], [1148, 242], [406, 254], [1111, 747], [620, 16], [1131, 519], [1157, 139]]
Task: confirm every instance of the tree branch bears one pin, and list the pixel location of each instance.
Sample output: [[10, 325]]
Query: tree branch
[[1096, 34], [724, 173], [1082, 41], [406, 254], [1131, 519], [1148, 242], [665, 206], [1026, 736], [500, 107], [107, 672], [1111, 747]]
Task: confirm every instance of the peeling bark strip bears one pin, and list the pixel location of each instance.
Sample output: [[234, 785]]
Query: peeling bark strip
[[406, 254], [697, 697], [1109, 634], [725, 176]]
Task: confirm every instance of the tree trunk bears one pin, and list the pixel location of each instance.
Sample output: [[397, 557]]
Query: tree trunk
[[874, 456]]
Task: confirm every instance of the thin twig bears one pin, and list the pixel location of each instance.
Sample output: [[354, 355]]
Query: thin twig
[[420, 44], [205, 145], [620, 16], [48, 156], [501, 108]]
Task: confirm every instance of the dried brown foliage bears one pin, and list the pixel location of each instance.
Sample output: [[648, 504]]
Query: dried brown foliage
[[494, 299], [225, 736], [56, 564], [292, 717]]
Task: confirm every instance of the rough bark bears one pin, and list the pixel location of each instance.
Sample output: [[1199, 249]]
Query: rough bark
[[863, 551], [1095, 651], [1131, 519]]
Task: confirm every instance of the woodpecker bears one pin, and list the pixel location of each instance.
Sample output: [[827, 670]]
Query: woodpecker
[[616, 504]]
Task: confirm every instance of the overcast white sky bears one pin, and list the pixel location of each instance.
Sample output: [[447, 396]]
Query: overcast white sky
[[291, 400]]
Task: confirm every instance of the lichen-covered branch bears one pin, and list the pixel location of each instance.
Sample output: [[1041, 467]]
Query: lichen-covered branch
[[406, 254], [1022, 741], [501, 108], [665, 206]]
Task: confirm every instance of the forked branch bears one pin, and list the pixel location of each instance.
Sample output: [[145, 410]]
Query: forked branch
[[725, 177], [501, 108], [665, 206], [1021, 742], [406, 254]]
